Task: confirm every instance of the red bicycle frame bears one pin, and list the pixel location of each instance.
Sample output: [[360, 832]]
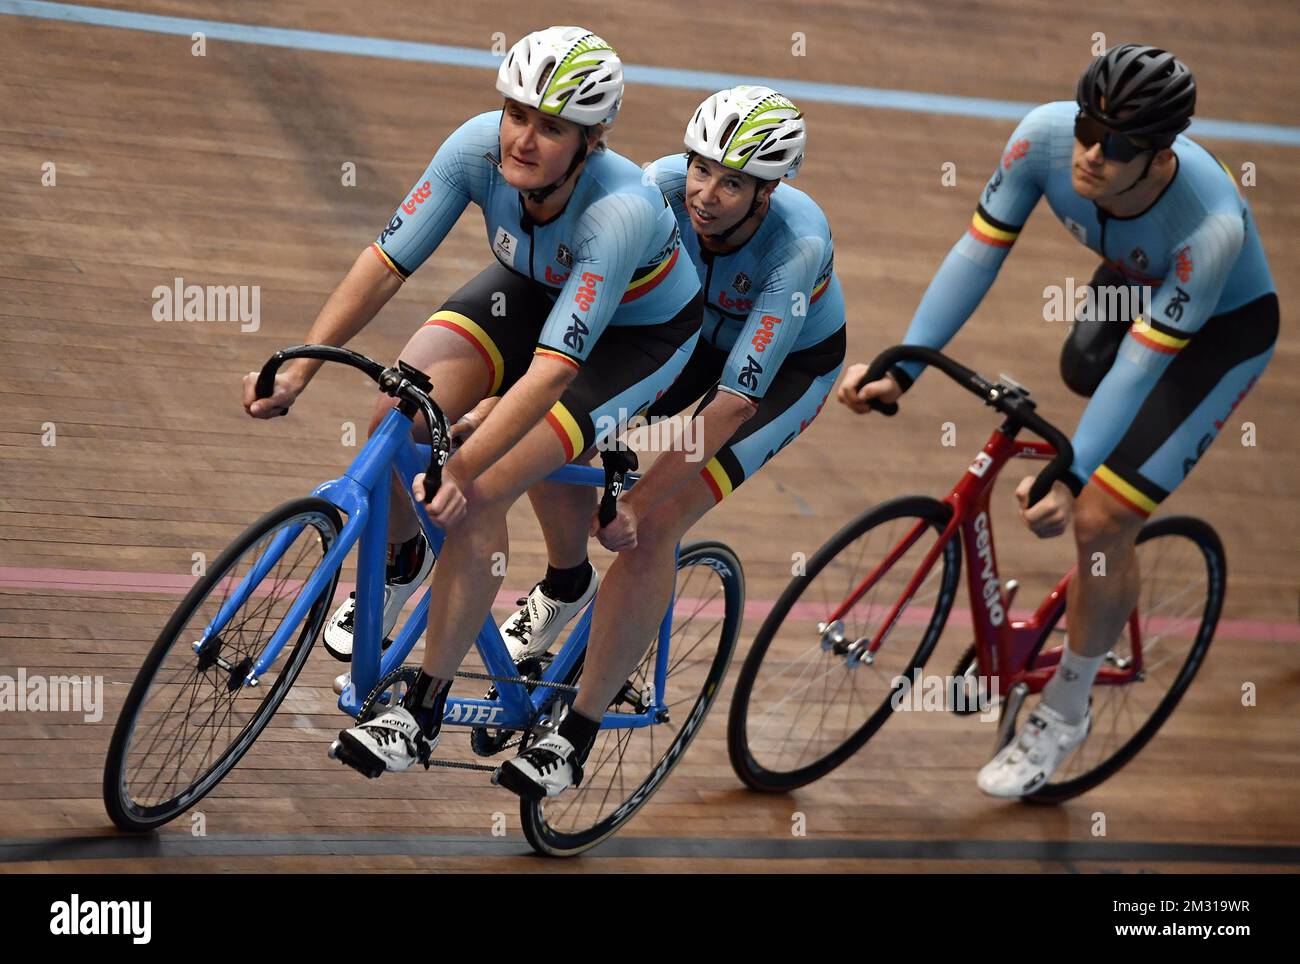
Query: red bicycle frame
[[1004, 646]]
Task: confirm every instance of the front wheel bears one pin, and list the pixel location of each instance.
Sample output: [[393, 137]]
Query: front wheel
[[1183, 573], [190, 716], [626, 766], [809, 696]]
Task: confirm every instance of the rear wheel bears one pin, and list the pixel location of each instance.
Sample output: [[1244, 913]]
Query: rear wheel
[[626, 766], [1183, 573]]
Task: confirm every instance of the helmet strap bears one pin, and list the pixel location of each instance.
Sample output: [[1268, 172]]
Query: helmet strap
[[722, 236], [1145, 171], [542, 193]]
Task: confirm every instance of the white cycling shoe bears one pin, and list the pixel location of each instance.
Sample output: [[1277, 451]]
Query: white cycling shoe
[[339, 629], [390, 743], [533, 629], [1028, 761], [545, 769]]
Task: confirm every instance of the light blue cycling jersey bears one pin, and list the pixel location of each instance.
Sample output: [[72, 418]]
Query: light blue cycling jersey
[[775, 295], [613, 253], [1196, 245]]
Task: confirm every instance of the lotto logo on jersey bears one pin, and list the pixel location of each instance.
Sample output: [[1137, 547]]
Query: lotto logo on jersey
[[1183, 265], [575, 337], [418, 197], [733, 304], [748, 377], [389, 231], [587, 293], [1014, 153], [766, 332]]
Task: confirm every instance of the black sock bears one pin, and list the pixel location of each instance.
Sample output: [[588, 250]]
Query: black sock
[[404, 560], [425, 701], [579, 731], [567, 585]]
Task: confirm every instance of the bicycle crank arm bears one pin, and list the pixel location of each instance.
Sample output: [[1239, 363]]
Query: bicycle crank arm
[[1010, 710]]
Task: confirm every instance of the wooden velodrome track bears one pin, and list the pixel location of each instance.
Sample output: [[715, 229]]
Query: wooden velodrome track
[[225, 169]]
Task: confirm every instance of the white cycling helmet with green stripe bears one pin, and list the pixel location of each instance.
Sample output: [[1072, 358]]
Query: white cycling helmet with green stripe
[[565, 71], [751, 129]]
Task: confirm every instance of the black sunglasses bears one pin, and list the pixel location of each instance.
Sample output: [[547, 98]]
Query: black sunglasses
[[1114, 146]]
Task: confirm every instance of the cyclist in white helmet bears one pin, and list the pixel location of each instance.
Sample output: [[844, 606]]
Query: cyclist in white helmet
[[770, 351], [599, 312]]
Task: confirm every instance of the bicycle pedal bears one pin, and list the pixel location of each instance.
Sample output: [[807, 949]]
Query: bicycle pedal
[[341, 682], [368, 768]]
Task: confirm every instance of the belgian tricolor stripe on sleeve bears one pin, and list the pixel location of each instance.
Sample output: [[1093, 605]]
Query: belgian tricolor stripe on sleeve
[[985, 228], [1158, 337]]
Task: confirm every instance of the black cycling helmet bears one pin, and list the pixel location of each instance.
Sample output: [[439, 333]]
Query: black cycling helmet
[[1146, 92]]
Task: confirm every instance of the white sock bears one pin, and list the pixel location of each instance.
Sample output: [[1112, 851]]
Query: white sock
[[1067, 691]]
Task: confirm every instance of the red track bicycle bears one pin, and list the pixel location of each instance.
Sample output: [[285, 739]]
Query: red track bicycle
[[847, 638]]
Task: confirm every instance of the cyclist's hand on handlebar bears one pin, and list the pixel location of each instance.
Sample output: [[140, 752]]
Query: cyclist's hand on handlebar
[[620, 534], [882, 390], [288, 386], [1051, 516], [449, 504]]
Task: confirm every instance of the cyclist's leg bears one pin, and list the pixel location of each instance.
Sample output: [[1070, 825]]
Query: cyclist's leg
[[1174, 427], [634, 596], [639, 584], [625, 372], [470, 350], [1093, 341], [458, 374], [565, 512]]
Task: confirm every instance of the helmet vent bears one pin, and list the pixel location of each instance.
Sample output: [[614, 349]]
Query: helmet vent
[[543, 78]]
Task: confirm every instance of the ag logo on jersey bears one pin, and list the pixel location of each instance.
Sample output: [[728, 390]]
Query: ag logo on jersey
[[742, 282], [389, 231], [995, 182], [1139, 258], [1078, 230], [564, 256], [504, 245], [748, 376], [574, 338]]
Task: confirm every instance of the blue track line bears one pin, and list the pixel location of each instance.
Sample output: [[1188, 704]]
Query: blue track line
[[705, 81]]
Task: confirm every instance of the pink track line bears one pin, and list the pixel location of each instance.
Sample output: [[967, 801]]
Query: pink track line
[[99, 580]]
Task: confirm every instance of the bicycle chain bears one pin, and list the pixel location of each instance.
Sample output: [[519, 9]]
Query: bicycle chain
[[518, 680]]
